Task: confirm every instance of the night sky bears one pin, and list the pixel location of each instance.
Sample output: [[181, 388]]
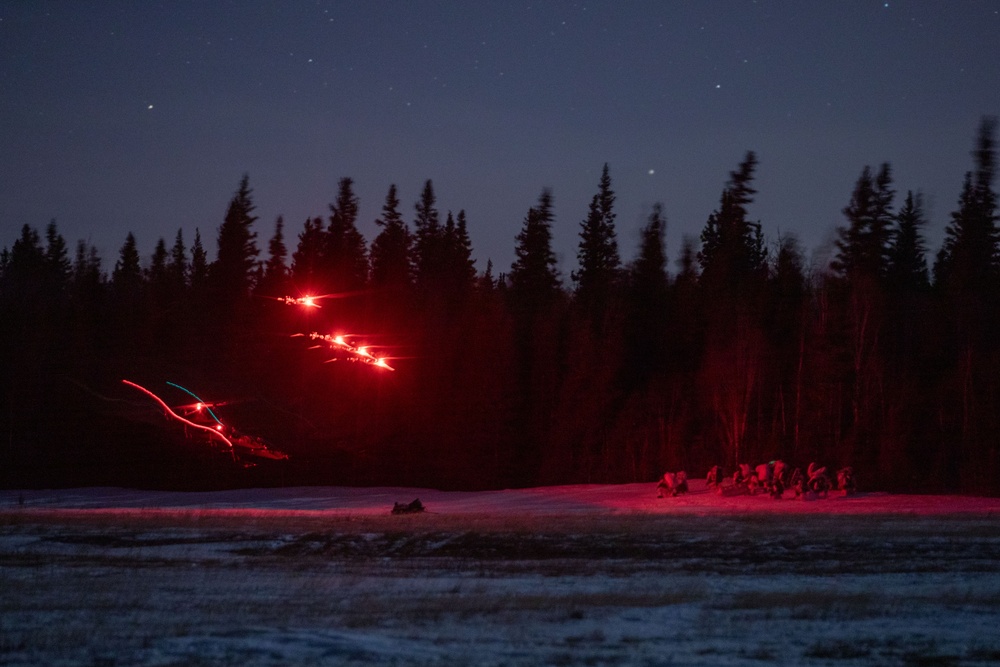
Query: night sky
[[142, 116]]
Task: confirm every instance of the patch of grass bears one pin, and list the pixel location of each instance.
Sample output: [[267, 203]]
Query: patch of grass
[[915, 659], [838, 650], [809, 604], [762, 653]]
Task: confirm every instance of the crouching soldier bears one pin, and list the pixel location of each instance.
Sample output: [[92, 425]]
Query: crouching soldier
[[672, 484], [819, 483], [681, 481], [796, 482], [845, 480], [713, 480]]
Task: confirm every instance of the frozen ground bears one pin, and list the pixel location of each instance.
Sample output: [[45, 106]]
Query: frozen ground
[[605, 575]]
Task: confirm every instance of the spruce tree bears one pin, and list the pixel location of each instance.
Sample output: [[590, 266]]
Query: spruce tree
[[391, 264], [863, 247], [345, 256], [907, 270], [648, 301], [198, 276], [732, 257], [307, 260], [967, 261], [600, 264], [156, 275], [428, 239], [57, 262], [233, 271], [534, 279], [25, 269], [274, 279], [126, 279], [178, 266], [459, 267]]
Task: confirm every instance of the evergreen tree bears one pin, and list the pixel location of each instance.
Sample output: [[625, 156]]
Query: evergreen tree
[[127, 304], [234, 268], [57, 263], [459, 270], [157, 275], [274, 279], [87, 277], [428, 239], [344, 253], [967, 261], [648, 301], [600, 265], [25, 269], [199, 264], [177, 267], [534, 279], [307, 260], [649, 272], [864, 245], [786, 331], [391, 264], [126, 279], [907, 270], [732, 257]]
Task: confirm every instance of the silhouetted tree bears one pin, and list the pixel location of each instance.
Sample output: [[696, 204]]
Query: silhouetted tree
[[648, 301], [907, 260], [345, 255], [198, 277], [428, 240], [57, 263], [732, 257], [967, 260], [786, 331], [157, 276], [600, 264], [391, 264], [733, 273], [24, 270], [966, 280], [458, 270], [178, 267], [307, 260], [535, 300], [275, 274], [126, 279], [233, 270], [864, 245], [534, 279]]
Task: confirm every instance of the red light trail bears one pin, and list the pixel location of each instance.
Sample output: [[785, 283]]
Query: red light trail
[[360, 353], [213, 432], [308, 301]]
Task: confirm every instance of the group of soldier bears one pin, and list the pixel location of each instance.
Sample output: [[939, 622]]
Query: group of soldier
[[774, 478]]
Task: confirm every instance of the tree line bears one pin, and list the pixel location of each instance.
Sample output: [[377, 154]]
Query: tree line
[[887, 359]]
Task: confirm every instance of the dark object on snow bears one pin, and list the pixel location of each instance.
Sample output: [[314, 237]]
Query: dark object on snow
[[713, 479], [672, 484], [818, 483], [845, 480], [411, 508]]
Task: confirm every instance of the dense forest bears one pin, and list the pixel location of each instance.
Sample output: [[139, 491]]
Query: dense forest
[[887, 359]]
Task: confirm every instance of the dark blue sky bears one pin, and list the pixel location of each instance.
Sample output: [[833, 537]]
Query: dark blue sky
[[142, 116]]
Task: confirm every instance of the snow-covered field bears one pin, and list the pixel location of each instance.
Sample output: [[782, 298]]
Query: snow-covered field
[[606, 575]]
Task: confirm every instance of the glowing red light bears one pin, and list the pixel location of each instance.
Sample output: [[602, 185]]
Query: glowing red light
[[360, 353], [170, 413]]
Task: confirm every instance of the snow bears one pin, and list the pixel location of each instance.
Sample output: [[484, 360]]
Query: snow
[[585, 574]]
